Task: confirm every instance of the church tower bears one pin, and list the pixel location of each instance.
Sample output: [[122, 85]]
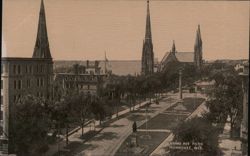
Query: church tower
[[41, 49], [198, 50], [147, 50], [173, 48]]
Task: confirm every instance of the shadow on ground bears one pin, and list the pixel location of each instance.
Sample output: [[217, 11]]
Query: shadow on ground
[[105, 136], [75, 148]]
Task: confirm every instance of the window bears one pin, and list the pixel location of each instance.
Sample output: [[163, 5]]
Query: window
[[19, 69], [88, 86], [14, 69], [30, 69], [1, 84], [28, 83], [2, 67], [19, 84], [1, 99], [41, 82], [1, 115], [37, 68], [14, 84], [41, 68], [26, 69], [38, 82]]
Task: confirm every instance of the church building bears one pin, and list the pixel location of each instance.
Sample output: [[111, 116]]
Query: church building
[[194, 58]]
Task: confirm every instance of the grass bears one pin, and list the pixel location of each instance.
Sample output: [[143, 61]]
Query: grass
[[145, 145], [164, 121], [190, 103]]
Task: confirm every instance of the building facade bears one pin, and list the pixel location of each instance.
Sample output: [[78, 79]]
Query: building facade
[[194, 58], [24, 76], [147, 49], [244, 123], [87, 79]]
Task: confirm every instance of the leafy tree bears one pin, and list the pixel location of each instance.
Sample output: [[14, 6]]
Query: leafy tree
[[198, 130], [226, 98], [31, 125]]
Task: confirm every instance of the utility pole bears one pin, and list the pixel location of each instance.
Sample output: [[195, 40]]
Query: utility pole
[[180, 84]]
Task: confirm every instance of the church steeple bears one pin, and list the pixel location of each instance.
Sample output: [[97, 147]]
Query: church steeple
[[42, 49], [198, 50], [147, 50], [148, 34], [173, 48], [198, 41]]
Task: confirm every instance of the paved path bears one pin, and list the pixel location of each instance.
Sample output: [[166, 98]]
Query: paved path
[[228, 146], [118, 131], [77, 132], [153, 130], [161, 150]]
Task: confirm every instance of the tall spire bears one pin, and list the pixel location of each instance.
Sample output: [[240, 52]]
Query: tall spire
[[198, 50], [147, 49], [148, 34], [198, 41], [173, 47], [41, 49]]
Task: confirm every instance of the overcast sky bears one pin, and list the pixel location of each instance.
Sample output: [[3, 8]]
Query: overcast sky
[[84, 29]]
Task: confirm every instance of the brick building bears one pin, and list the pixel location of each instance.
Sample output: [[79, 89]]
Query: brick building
[[23, 76]]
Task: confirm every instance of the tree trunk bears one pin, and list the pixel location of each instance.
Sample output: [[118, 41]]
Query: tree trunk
[[67, 135], [231, 126], [82, 125]]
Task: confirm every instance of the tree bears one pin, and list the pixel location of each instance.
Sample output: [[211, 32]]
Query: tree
[[31, 125], [198, 130], [226, 98]]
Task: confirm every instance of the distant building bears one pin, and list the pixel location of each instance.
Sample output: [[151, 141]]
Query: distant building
[[194, 58], [147, 50], [23, 76], [86, 79], [239, 67], [205, 86]]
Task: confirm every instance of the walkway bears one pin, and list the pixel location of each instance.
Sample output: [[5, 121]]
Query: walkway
[[227, 145], [76, 133], [108, 141], [162, 148]]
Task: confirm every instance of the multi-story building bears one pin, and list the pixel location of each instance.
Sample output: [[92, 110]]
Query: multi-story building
[[87, 79], [24, 76]]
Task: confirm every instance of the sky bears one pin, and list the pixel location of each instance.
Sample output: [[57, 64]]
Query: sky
[[85, 29]]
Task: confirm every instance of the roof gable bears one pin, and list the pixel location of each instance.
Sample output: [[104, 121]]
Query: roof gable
[[185, 56]]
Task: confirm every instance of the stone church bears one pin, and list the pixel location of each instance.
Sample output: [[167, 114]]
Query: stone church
[[147, 63], [194, 58]]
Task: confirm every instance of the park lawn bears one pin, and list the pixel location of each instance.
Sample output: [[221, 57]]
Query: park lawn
[[146, 145], [164, 121], [190, 103]]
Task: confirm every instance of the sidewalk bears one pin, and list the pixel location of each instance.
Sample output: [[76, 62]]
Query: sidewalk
[[108, 141], [227, 145], [75, 137]]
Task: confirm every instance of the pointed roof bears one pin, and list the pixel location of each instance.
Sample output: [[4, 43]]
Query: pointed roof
[[42, 49], [173, 47], [198, 41], [148, 34]]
